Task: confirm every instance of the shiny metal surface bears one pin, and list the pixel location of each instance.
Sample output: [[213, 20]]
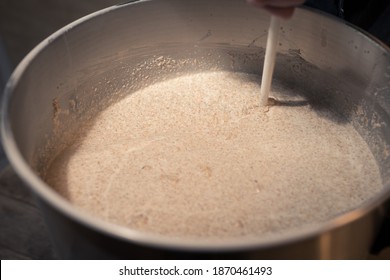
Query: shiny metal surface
[[94, 61]]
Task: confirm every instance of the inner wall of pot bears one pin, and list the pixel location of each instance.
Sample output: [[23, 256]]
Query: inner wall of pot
[[87, 67]]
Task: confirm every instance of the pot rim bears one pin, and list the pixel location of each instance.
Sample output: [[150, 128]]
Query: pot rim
[[29, 177]]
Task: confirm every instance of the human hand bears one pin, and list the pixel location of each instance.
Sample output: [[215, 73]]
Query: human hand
[[281, 8]]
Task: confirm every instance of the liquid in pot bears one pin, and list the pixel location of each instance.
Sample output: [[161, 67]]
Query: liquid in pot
[[195, 156]]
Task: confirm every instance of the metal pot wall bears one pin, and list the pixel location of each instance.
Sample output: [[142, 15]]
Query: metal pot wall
[[98, 59]]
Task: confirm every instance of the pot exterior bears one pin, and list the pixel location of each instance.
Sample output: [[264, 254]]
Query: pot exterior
[[73, 240]]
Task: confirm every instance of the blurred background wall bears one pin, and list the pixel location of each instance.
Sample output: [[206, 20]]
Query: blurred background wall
[[24, 23]]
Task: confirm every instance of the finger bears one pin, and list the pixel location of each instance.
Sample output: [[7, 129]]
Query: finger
[[284, 13], [276, 3]]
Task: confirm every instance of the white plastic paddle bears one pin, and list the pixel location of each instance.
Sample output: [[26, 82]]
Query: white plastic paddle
[[269, 60]]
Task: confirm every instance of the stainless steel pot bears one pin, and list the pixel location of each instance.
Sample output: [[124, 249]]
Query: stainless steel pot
[[94, 61]]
